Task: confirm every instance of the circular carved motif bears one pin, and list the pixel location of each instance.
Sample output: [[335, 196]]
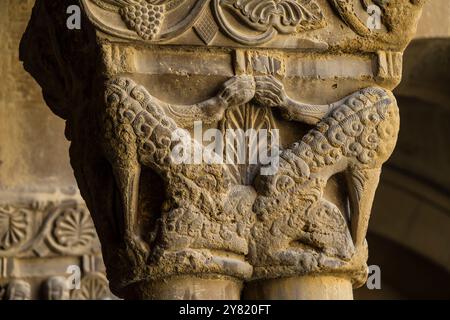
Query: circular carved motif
[[14, 227], [72, 230], [93, 286]]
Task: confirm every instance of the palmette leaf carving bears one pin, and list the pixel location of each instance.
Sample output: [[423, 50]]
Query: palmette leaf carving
[[245, 117], [14, 226], [287, 16]]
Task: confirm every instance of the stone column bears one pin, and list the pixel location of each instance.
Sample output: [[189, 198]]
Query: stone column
[[299, 95]]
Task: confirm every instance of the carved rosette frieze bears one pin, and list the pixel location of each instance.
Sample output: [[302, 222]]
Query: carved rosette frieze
[[46, 229], [268, 17], [15, 225], [43, 239], [305, 71], [249, 22]]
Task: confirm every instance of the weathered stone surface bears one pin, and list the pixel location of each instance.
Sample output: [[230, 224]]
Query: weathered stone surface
[[139, 71]]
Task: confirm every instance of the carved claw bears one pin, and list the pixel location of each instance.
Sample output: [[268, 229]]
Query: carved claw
[[362, 185], [128, 184], [270, 92], [238, 90]]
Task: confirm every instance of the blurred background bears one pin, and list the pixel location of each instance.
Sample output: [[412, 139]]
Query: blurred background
[[409, 236]]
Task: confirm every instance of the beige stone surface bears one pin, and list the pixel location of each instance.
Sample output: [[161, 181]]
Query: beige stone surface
[[302, 288], [28, 132], [435, 20]]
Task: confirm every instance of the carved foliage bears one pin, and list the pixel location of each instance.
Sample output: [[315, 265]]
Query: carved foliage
[[14, 226], [151, 20], [268, 17], [286, 16], [65, 228]]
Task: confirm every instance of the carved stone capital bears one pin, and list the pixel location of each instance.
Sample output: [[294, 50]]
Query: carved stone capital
[[138, 78]]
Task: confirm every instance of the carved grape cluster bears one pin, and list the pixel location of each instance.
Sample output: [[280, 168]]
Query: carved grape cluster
[[144, 18]]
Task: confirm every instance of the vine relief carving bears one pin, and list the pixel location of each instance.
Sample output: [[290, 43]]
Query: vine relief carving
[[268, 17], [298, 230], [65, 229], [248, 22]]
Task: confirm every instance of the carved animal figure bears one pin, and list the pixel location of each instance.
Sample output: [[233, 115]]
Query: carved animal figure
[[202, 210], [298, 230]]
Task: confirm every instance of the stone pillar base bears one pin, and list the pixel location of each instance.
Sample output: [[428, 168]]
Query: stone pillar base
[[300, 288], [187, 288]]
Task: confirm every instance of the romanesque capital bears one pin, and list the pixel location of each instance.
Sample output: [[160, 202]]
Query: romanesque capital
[[226, 146]]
